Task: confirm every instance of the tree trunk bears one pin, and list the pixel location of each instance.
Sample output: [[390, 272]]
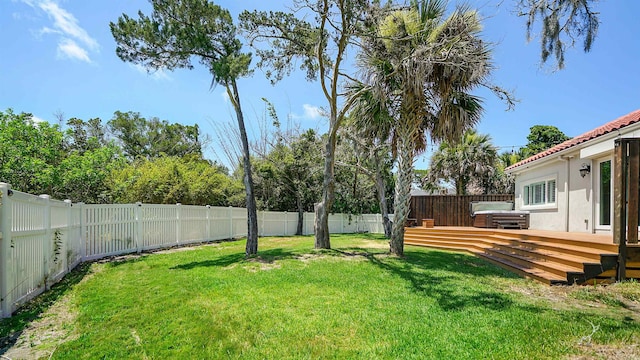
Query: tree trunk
[[406, 147], [323, 208], [252, 214], [382, 197], [300, 214]]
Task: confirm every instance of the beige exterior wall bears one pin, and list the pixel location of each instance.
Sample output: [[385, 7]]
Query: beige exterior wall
[[572, 209]]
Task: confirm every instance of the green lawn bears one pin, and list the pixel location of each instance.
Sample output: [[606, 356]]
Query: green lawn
[[354, 301]]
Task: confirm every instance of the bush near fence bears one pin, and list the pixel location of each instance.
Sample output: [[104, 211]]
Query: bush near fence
[[42, 239]]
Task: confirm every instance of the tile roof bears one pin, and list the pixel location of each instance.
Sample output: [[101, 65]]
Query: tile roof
[[607, 128]]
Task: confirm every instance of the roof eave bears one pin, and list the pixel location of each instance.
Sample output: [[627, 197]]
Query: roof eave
[[577, 147]]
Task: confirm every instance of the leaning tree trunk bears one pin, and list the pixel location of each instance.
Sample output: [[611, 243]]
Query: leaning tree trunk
[[323, 208], [252, 214], [300, 213], [406, 146]]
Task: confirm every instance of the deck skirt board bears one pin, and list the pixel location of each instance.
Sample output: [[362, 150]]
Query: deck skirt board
[[550, 257]]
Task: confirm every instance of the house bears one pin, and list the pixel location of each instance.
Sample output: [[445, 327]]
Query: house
[[569, 187]]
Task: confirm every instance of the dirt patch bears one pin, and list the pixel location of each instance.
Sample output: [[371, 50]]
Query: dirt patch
[[375, 244], [310, 257], [265, 264], [621, 297], [175, 250], [608, 352], [41, 338], [120, 258]]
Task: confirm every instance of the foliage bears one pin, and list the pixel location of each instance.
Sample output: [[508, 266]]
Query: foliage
[[152, 138], [85, 136], [171, 180], [83, 165], [30, 154], [467, 163], [430, 305], [360, 164], [85, 176], [288, 177], [563, 22], [541, 138], [176, 32]]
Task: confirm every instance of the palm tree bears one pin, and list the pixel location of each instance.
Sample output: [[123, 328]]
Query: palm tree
[[421, 66], [470, 161]]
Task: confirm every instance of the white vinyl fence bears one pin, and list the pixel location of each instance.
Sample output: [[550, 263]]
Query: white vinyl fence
[[43, 239]]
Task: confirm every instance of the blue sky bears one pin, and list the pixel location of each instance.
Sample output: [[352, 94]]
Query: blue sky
[[59, 56]]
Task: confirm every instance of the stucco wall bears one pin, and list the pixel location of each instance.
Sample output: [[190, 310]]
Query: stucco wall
[[551, 218], [580, 196], [574, 193]]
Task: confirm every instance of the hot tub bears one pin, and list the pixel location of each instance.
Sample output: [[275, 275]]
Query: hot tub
[[498, 214]]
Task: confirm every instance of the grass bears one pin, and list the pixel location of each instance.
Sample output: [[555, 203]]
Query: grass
[[354, 301]]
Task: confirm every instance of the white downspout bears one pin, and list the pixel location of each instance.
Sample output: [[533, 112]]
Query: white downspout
[[567, 184]]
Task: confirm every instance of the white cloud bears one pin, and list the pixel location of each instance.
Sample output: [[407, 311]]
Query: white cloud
[[67, 23], [48, 30], [155, 75], [310, 112], [75, 42], [68, 49], [36, 119]]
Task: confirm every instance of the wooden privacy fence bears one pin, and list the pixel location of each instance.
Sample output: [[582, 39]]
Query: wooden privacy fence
[[449, 210], [42, 239]]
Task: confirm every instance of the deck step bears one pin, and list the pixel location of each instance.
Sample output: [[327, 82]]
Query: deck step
[[544, 258], [532, 273], [529, 262]]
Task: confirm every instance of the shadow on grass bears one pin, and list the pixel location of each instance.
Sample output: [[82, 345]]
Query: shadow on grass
[[452, 292], [11, 328], [265, 256]]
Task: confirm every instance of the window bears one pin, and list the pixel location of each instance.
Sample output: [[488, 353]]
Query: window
[[539, 193]]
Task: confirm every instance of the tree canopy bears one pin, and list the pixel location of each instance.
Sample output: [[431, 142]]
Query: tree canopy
[[541, 138], [151, 138], [467, 164], [562, 23]]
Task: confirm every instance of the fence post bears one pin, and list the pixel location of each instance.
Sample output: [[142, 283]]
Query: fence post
[[286, 219], [5, 249], [138, 215], [178, 222], [230, 222], [262, 223], [46, 249], [208, 226], [69, 204], [83, 232]]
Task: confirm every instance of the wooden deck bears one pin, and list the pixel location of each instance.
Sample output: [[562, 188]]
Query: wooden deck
[[547, 256]]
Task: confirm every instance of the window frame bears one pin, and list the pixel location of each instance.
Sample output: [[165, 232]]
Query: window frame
[[540, 193]]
